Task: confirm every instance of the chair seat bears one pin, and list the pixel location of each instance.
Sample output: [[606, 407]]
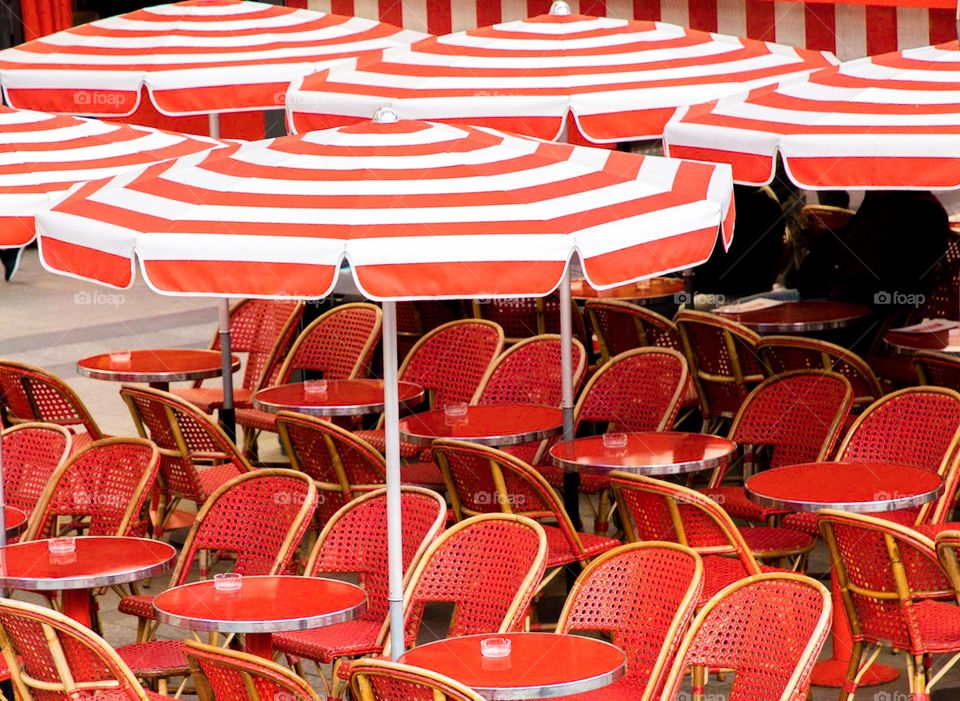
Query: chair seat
[[425, 474], [560, 552], [348, 639], [211, 478], [939, 626], [158, 658], [807, 522], [209, 399], [80, 441], [377, 438], [256, 419], [720, 571], [733, 499], [765, 542], [140, 606]]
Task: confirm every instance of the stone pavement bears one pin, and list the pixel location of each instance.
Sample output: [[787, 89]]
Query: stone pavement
[[53, 321]]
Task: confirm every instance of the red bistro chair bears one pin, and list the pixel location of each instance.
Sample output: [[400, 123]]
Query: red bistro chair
[[767, 629], [31, 453], [937, 369], [264, 330], [381, 680], [642, 596], [29, 393], [523, 317], [354, 542], [221, 674]]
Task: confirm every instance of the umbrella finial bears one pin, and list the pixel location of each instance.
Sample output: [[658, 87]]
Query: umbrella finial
[[385, 115], [560, 8]]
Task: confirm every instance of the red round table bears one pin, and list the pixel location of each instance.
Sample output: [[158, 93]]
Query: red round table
[[487, 424], [262, 606], [909, 343], [652, 453], [805, 316], [853, 487], [651, 290], [15, 520], [157, 367], [339, 398], [539, 666], [98, 561]]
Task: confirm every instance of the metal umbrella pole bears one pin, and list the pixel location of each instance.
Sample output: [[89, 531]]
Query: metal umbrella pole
[[571, 478]]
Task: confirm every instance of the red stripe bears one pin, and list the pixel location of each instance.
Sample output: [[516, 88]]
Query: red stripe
[[882, 29], [488, 13], [646, 9], [703, 15], [943, 26], [761, 20], [342, 7], [390, 11], [537, 7], [439, 20], [821, 27], [594, 8]]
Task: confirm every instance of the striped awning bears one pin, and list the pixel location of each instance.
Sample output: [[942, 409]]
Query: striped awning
[[418, 209], [192, 57], [889, 121], [42, 156], [621, 80]]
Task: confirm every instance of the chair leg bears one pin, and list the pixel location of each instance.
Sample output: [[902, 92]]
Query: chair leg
[[918, 685], [849, 688], [601, 523]]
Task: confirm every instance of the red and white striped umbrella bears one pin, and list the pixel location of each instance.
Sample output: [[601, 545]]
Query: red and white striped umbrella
[[420, 210], [193, 57], [42, 156], [884, 122], [622, 80]]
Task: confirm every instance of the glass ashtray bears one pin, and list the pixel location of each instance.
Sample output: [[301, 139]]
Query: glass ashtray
[[455, 409], [61, 546], [121, 357], [495, 647], [614, 441], [228, 581], [314, 387]]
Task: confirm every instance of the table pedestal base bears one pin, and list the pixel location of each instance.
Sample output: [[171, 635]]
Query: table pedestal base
[[76, 605], [259, 644]]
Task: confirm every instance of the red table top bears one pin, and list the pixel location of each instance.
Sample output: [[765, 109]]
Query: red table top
[[660, 453], [14, 518], [854, 487], [805, 315], [645, 289], [341, 397], [156, 365], [488, 424], [98, 561], [936, 341], [540, 665], [267, 604]]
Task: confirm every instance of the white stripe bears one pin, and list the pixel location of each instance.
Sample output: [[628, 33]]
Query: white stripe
[[732, 17], [791, 23], [415, 14], [911, 145], [851, 31], [148, 146], [242, 8], [913, 27], [621, 9], [462, 16], [513, 10], [840, 119], [367, 8], [25, 205], [675, 11], [545, 28]]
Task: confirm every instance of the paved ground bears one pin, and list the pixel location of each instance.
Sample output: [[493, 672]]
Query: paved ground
[[53, 321]]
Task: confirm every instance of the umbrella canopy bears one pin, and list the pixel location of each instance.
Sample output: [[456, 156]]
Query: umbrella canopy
[[193, 57], [884, 122], [42, 156], [622, 80]]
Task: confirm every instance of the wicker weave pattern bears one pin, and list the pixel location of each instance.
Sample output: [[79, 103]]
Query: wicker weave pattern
[[783, 353], [523, 317], [44, 647], [28, 393], [340, 343], [341, 464], [226, 675], [722, 358], [379, 680], [103, 489], [529, 373], [488, 566], [767, 629], [938, 369], [621, 326], [942, 301], [31, 453], [643, 596]]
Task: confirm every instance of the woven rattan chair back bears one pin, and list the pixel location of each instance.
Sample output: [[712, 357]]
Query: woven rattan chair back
[[937, 369], [380, 680], [523, 317], [340, 463], [914, 427], [652, 509], [188, 439], [31, 453], [795, 417], [53, 658], [723, 361], [488, 567], [529, 373], [768, 630], [942, 300], [102, 490], [339, 343], [354, 542], [783, 353], [622, 326], [451, 360], [638, 390], [259, 518], [29, 393], [221, 674], [643, 596], [884, 570]]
